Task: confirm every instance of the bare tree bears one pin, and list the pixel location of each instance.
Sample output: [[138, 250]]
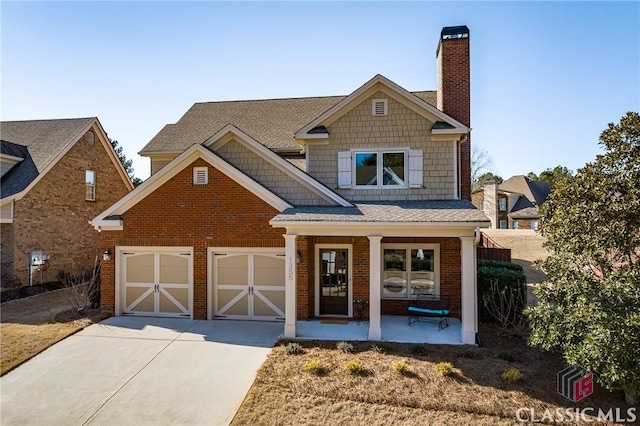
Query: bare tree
[[481, 163]]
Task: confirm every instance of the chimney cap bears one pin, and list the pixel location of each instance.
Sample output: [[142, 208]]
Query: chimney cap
[[451, 33]]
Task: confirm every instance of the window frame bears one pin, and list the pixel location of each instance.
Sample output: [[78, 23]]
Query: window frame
[[380, 167], [501, 223], [90, 188], [533, 224], [502, 204], [409, 290], [514, 224]]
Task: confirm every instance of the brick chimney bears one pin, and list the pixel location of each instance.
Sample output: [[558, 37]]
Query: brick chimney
[[454, 93]]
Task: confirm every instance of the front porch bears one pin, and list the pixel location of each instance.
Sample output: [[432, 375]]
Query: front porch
[[395, 328]]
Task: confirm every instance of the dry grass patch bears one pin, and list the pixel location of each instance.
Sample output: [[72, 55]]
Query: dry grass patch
[[474, 393], [31, 325]]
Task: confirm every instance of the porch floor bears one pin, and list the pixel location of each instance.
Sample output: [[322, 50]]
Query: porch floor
[[395, 328]]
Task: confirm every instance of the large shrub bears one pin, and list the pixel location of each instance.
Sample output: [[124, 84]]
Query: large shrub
[[506, 276]]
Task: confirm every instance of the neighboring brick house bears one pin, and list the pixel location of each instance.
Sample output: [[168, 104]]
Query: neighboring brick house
[[513, 204], [56, 176], [293, 208]]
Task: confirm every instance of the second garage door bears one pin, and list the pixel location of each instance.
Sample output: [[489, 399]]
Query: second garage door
[[248, 283]]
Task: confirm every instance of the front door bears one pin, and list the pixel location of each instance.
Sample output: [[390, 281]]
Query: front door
[[334, 288]]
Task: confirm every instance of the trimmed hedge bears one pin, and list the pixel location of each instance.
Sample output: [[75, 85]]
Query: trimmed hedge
[[507, 274]]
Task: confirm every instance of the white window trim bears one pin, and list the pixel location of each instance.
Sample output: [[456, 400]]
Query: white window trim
[[379, 171], [408, 248], [90, 189], [385, 107], [197, 171]]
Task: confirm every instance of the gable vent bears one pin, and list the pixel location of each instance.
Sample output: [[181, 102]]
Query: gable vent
[[200, 175], [379, 107]]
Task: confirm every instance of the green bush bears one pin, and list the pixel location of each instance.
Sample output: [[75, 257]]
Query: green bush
[[314, 367], [294, 348], [444, 368], [354, 367], [511, 374], [499, 264], [345, 347], [509, 277]]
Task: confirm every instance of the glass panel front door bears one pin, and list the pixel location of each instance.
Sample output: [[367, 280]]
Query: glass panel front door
[[334, 282]]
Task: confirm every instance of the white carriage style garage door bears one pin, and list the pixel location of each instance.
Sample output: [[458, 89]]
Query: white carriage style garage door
[[247, 283], [155, 281]]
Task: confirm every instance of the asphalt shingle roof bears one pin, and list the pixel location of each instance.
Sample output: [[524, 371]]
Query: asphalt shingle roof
[[535, 191], [42, 140], [461, 211], [272, 122]]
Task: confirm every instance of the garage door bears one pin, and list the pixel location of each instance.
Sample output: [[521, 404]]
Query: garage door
[[248, 284], [156, 281]]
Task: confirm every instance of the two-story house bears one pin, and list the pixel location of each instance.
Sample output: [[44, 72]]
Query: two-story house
[[291, 209], [57, 175], [513, 204]]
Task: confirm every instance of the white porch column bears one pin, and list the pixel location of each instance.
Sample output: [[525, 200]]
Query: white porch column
[[469, 292], [290, 313], [375, 262]]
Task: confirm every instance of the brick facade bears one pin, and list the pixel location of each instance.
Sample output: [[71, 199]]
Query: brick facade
[[54, 216], [450, 279], [179, 213]]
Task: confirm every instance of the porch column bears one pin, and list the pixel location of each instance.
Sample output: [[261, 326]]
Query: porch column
[[290, 313], [468, 290], [375, 332]]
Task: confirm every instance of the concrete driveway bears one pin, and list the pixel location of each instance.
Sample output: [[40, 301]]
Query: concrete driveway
[[127, 371]]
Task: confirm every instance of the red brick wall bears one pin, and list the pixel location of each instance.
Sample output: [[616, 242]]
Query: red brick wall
[[54, 215], [220, 214], [455, 86], [450, 279]]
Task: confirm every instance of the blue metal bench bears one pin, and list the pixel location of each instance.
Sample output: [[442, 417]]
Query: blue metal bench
[[430, 309]]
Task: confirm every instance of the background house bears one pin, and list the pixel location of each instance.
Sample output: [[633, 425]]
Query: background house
[[56, 176], [513, 204], [291, 209]]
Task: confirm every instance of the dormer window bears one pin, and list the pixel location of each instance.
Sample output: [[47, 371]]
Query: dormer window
[[379, 107]]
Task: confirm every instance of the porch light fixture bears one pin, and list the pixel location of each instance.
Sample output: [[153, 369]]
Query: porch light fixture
[[106, 256], [298, 257], [420, 254]]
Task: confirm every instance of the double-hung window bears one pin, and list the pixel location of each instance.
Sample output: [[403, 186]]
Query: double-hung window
[[90, 185], [380, 169], [410, 270]]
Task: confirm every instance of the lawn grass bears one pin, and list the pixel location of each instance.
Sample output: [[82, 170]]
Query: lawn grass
[[285, 394]]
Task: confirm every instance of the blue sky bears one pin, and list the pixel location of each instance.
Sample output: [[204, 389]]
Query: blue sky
[[547, 77]]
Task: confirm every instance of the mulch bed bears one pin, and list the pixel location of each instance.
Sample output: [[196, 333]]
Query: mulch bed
[[27, 291]]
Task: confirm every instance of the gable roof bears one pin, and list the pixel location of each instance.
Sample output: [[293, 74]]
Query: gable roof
[[46, 142], [534, 191], [310, 183], [272, 122], [444, 124], [111, 219]]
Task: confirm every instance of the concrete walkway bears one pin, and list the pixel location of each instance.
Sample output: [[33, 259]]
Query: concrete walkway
[[142, 371]]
